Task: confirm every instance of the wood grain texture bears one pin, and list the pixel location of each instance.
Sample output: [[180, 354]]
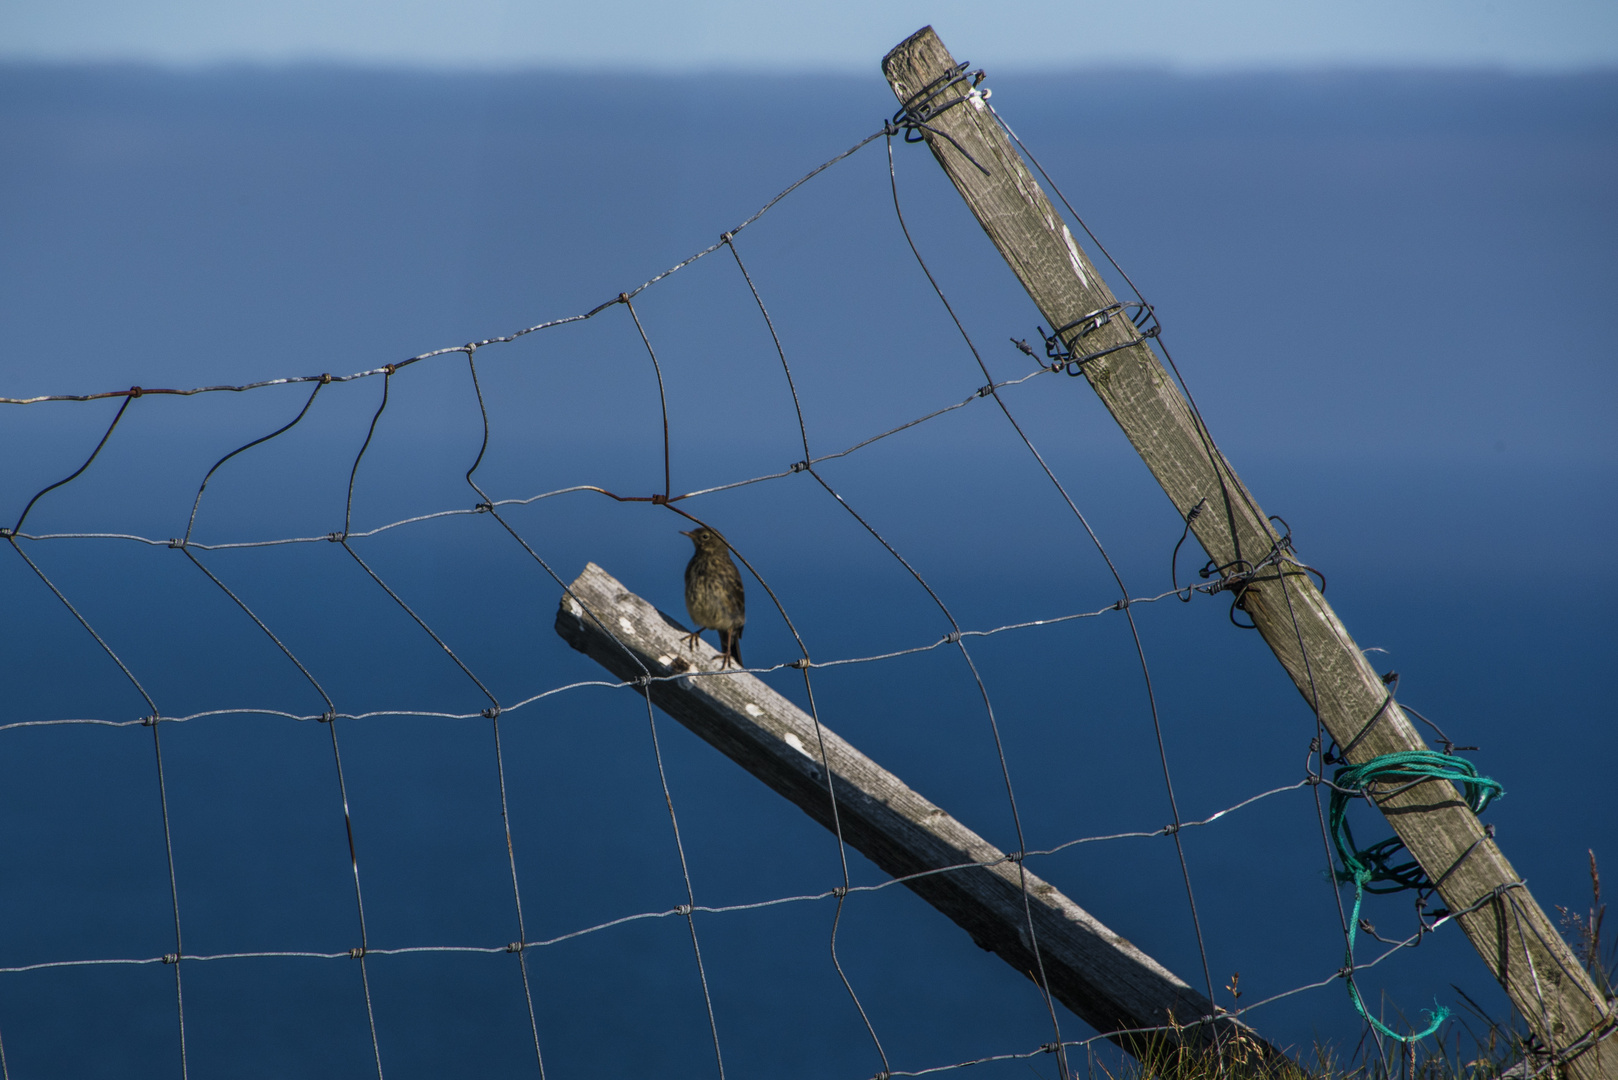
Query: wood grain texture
[[1108, 982], [1518, 942]]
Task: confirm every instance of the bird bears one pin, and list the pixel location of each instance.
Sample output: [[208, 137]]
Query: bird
[[713, 594]]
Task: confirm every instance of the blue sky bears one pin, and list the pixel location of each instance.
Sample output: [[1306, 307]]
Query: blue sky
[[1529, 35]]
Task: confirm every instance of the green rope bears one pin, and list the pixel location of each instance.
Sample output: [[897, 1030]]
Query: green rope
[[1370, 867]]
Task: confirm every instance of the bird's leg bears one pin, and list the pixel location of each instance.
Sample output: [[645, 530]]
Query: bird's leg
[[725, 639], [691, 639]]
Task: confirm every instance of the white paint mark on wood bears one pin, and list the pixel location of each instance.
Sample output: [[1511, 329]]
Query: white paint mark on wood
[[625, 625], [1073, 257], [796, 743], [754, 710], [663, 661]]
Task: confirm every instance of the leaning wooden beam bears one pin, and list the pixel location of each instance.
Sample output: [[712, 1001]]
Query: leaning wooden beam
[[1508, 928], [1109, 983]]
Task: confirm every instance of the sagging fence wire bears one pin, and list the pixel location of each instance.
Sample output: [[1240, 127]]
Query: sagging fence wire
[[689, 908]]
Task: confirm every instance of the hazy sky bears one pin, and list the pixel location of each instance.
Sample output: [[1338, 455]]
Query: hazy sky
[[1536, 35]]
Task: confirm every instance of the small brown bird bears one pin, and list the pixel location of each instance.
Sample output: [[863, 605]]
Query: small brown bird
[[713, 594]]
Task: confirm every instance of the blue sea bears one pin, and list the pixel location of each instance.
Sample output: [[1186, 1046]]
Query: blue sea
[[1390, 292]]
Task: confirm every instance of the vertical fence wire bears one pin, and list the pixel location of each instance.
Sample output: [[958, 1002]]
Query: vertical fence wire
[[667, 499]]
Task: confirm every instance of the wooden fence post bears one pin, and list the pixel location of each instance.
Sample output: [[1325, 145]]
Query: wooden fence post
[[1513, 935], [1108, 982]]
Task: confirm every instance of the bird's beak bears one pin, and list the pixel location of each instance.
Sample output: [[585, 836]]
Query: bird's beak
[[692, 533]]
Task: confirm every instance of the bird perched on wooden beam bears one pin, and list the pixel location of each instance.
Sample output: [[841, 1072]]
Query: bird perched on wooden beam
[[713, 594]]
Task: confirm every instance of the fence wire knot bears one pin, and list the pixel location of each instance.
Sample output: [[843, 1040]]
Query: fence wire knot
[[952, 638], [915, 115], [799, 466], [840, 891], [682, 909], [1061, 353], [514, 947], [492, 713], [171, 958], [357, 952]]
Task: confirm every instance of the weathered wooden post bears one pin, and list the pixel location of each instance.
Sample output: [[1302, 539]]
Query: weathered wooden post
[[1508, 928], [1108, 982]]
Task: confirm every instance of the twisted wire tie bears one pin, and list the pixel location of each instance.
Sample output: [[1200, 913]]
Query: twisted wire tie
[[913, 116], [1368, 865]]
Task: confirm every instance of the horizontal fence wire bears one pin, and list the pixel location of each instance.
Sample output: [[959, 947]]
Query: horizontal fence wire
[[1000, 393]]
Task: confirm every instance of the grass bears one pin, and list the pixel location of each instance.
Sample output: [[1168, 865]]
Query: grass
[[1475, 1046]]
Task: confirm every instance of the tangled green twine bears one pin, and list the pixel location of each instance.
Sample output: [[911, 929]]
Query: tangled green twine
[[1372, 869]]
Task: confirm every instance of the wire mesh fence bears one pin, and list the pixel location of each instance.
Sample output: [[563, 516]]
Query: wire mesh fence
[[283, 618]]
